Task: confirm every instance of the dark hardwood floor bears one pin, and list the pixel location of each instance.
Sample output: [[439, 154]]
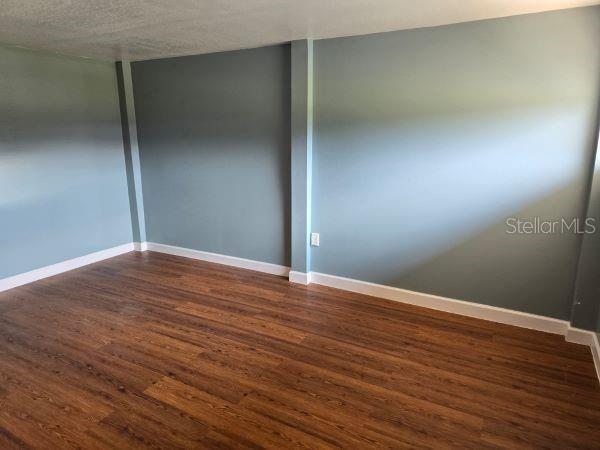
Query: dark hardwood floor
[[156, 351]]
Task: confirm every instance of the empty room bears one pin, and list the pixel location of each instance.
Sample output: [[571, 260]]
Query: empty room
[[283, 224]]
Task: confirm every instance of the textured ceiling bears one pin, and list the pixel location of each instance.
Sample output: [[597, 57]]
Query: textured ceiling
[[146, 29]]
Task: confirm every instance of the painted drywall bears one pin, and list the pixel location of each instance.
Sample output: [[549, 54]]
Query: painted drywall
[[426, 141], [586, 300], [214, 139], [63, 188], [131, 150], [301, 60]]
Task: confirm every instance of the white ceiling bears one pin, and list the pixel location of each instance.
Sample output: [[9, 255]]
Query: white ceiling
[[146, 29]]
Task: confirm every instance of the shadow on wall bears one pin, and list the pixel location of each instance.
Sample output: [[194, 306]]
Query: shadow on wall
[[436, 207], [427, 140], [462, 248], [496, 265]]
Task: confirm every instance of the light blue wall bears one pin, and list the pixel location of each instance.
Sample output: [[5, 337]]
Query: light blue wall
[[427, 140], [63, 189], [214, 137]]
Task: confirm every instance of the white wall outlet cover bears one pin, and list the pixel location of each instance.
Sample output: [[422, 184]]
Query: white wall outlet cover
[[314, 239]]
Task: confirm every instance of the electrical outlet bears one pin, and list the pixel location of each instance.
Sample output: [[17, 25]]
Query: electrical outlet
[[314, 239]]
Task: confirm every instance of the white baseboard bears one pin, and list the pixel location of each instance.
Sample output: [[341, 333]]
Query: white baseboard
[[579, 336], [585, 337], [243, 263], [65, 266], [477, 310], [140, 246], [596, 353], [299, 277]]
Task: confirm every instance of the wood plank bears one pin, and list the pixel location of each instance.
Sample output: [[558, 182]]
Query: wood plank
[[148, 350]]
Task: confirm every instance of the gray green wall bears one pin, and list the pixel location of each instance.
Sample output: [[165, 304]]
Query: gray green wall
[[426, 140], [586, 307], [214, 137], [63, 188]]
